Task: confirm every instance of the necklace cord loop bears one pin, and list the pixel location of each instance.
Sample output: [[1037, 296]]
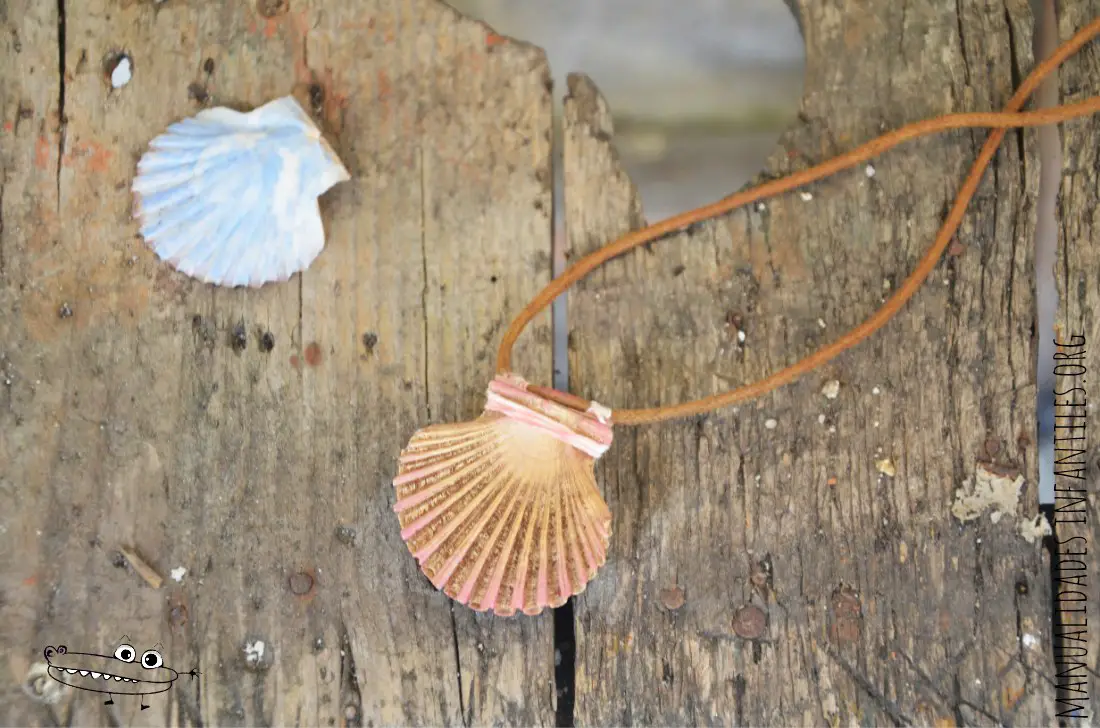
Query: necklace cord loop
[[998, 121]]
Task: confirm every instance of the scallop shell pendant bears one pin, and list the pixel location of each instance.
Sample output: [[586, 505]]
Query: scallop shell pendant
[[230, 198], [503, 513]]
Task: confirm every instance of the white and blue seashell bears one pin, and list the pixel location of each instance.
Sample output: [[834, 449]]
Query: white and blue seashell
[[230, 198]]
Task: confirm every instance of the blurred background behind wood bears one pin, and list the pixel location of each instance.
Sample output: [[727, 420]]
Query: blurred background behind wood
[[700, 90]]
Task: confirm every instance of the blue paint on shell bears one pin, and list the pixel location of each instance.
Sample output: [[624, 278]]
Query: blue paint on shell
[[231, 198]]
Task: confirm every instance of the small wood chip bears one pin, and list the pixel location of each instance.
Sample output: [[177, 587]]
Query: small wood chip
[[886, 467], [142, 567]]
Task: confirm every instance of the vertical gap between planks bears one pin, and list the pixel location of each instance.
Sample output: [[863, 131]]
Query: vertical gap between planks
[[1046, 292], [564, 623], [1046, 248]]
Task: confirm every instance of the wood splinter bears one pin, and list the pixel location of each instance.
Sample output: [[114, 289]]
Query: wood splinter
[[142, 567]]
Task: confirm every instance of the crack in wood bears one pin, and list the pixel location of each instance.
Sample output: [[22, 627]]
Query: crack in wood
[[60, 94], [349, 678], [884, 704], [458, 671], [424, 271], [565, 625], [3, 262]]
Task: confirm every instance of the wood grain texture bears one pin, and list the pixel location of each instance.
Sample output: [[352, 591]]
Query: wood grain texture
[[881, 607], [152, 417], [1077, 462]]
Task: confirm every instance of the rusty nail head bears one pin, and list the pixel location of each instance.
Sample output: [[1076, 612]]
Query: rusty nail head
[[749, 622], [672, 598], [301, 583], [846, 603], [847, 617], [178, 615]]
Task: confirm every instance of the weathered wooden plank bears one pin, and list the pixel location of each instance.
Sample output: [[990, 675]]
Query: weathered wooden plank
[[1076, 640], [878, 605], [155, 417]]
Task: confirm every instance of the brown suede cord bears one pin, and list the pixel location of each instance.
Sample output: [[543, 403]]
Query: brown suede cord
[[998, 121]]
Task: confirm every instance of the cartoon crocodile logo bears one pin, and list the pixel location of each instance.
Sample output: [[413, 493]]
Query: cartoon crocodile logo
[[121, 674]]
